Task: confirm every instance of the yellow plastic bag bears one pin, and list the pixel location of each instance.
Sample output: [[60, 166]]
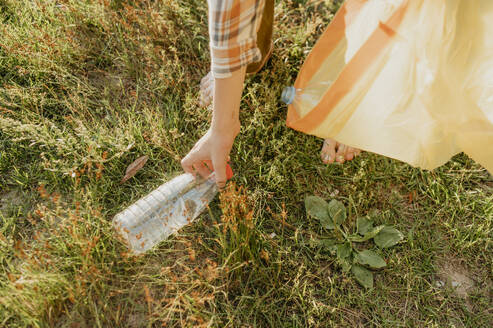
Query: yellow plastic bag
[[408, 79]]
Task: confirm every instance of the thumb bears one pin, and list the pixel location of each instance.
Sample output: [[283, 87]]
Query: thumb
[[219, 165]]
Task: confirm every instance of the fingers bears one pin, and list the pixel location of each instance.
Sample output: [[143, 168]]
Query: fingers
[[187, 164], [328, 153], [220, 171], [209, 165], [192, 162], [202, 169]]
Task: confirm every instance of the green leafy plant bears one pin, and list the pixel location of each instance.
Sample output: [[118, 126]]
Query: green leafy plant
[[332, 216]]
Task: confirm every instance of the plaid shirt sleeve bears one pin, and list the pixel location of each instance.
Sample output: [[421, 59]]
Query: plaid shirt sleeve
[[233, 26]]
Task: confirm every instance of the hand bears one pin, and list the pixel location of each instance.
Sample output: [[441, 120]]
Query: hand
[[213, 148]]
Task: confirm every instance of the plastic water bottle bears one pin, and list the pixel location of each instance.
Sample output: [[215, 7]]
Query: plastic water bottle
[[307, 97], [165, 210]]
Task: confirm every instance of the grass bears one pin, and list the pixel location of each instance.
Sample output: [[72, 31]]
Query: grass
[[86, 87]]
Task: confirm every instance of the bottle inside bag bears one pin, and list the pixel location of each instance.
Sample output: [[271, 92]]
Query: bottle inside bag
[[307, 97]]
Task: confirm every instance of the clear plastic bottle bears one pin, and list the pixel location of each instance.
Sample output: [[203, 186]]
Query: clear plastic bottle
[[307, 97], [164, 211]]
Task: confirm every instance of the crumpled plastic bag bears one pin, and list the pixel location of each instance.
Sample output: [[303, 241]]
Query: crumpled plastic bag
[[409, 79]]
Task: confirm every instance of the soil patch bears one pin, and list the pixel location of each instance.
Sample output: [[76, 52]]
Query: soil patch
[[453, 274], [9, 200]]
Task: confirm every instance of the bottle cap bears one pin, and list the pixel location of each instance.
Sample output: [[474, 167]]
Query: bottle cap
[[288, 94], [229, 172]]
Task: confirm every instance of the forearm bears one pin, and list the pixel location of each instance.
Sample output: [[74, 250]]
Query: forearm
[[226, 103]]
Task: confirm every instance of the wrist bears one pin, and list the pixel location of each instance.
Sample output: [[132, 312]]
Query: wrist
[[226, 127]]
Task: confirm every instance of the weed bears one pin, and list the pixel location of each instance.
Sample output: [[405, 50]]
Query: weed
[[332, 216]]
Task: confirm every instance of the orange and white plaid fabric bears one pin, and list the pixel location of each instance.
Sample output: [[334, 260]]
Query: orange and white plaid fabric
[[233, 26]]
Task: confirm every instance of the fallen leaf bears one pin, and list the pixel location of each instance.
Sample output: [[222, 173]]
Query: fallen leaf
[[133, 168]]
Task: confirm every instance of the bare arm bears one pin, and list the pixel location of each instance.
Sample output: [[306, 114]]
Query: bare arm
[[232, 29], [214, 147], [226, 105]]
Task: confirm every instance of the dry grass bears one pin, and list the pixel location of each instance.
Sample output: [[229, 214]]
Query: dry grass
[[86, 87]]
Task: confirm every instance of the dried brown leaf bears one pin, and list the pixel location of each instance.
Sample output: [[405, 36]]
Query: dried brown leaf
[[133, 168]]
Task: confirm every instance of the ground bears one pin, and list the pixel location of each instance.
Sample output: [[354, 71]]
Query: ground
[[87, 87]]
